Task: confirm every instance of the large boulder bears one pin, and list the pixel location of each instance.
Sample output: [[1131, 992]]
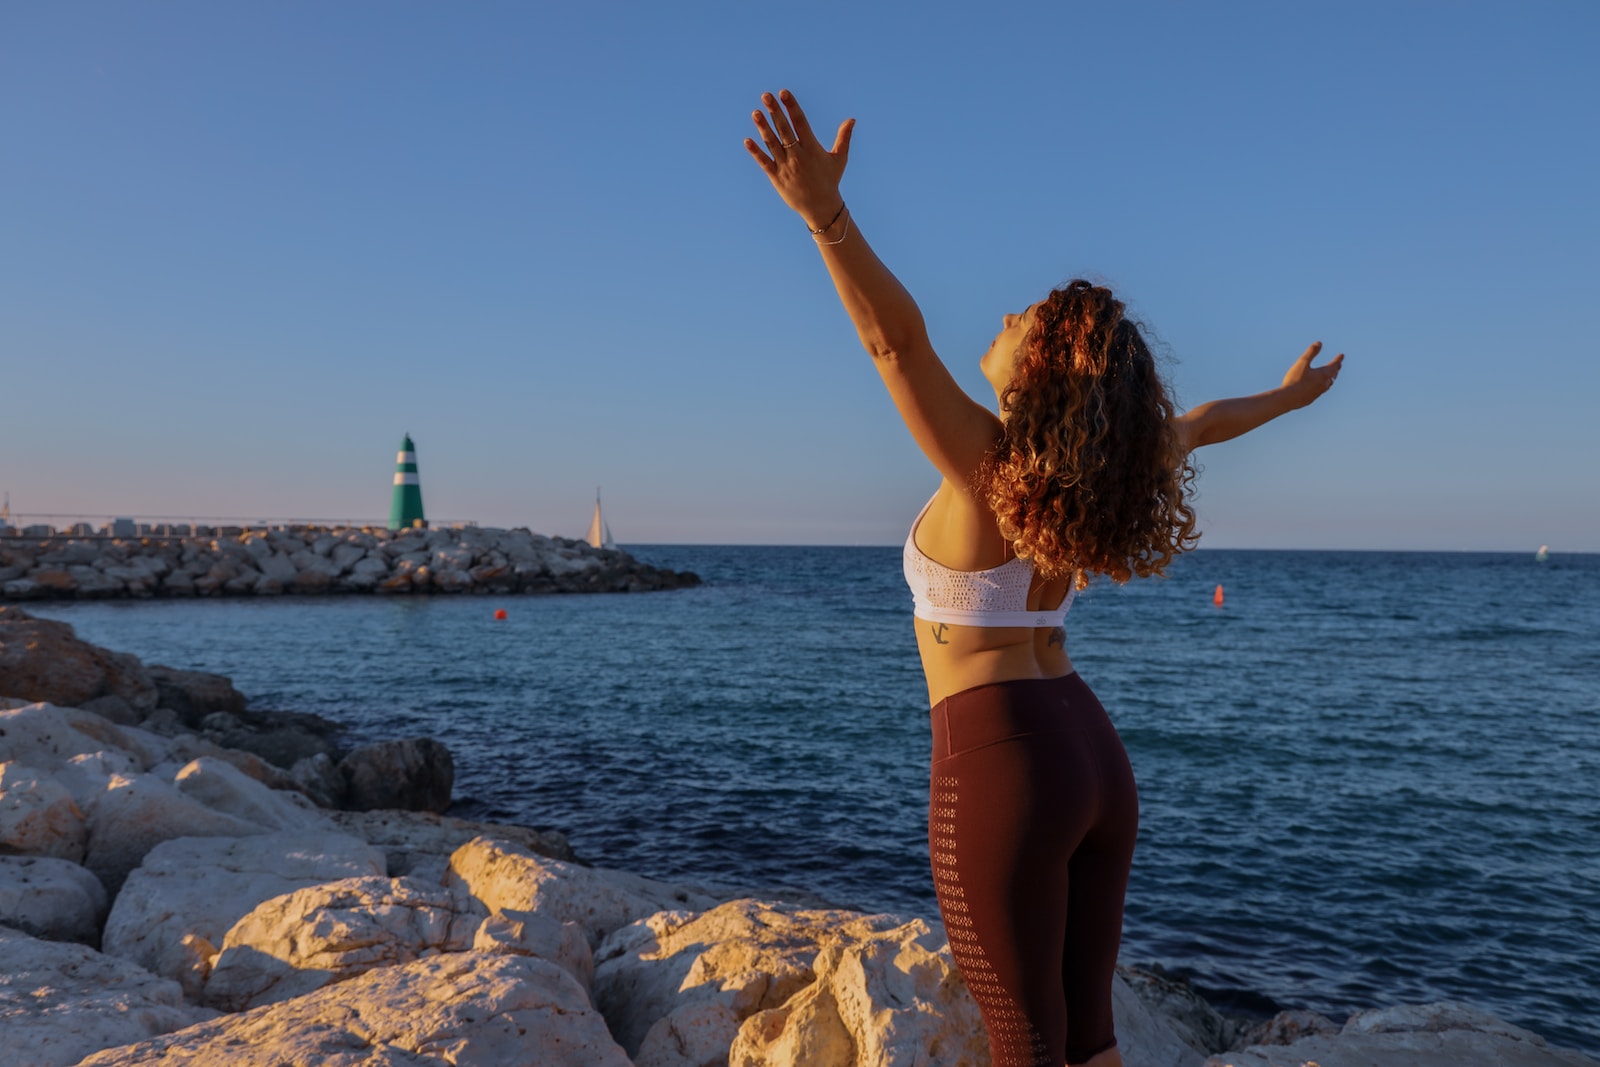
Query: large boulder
[[48, 737], [180, 903], [687, 980], [1176, 1009], [1443, 1034], [414, 775], [470, 1009], [38, 815], [60, 1002], [195, 694], [505, 876], [525, 934], [292, 944], [418, 844], [222, 787], [136, 813], [51, 898], [44, 660]]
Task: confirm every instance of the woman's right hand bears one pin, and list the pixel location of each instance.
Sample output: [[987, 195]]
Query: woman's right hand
[[803, 172]]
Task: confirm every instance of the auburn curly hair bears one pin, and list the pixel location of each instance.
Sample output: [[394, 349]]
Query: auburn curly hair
[[1089, 476]]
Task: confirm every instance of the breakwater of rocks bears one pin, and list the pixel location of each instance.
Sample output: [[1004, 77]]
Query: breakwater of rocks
[[321, 560]]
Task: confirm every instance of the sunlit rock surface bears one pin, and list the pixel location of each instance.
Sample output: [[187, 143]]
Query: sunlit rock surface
[[178, 906], [466, 1009], [60, 1002]]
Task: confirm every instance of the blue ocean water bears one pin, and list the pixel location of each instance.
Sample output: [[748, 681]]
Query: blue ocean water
[[1367, 779]]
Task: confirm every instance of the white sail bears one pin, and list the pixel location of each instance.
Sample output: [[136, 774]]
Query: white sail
[[599, 535]]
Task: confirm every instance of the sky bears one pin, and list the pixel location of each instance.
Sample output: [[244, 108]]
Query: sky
[[245, 248]]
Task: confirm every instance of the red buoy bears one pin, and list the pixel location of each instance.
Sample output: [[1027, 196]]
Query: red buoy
[[1216, 598], [500, 613]]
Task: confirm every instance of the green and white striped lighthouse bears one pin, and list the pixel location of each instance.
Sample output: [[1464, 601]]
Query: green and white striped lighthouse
[[405, 509]]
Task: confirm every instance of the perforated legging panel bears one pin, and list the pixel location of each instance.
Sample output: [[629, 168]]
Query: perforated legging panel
[[1032, 817]]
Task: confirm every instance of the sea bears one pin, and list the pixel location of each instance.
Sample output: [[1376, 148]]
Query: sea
[[1365, 779]]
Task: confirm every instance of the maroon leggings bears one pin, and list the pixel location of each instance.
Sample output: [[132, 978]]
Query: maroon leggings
[[1032, 815]]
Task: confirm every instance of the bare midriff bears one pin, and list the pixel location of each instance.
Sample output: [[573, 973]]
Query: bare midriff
[[961, 657]]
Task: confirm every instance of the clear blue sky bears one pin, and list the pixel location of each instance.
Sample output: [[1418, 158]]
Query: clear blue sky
[[246, 247]]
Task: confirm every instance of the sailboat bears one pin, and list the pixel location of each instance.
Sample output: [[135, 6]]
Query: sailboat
[[599, 534], [1543, 555]]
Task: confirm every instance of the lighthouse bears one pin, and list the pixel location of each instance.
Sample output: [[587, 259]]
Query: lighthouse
[[405, 508]]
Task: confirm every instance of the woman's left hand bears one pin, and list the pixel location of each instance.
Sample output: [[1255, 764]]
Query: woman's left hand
[[803, 172], [1304, 383]]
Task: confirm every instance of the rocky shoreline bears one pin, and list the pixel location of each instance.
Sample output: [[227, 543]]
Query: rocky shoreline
[[320, 560], [186, 880]]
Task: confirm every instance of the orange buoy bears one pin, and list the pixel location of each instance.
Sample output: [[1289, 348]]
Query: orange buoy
[[1216, 598], [500, 613]]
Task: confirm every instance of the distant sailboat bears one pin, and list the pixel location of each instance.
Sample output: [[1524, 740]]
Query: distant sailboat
[[1543, 555], [599, 534]]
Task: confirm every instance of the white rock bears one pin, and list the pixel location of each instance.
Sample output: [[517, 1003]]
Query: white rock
[[561, 564], [452, 558], [451, 581], [60, 1002], [46, 736], [290, 945], [526, 934], [1443, 1034], [137, 813], [38, 816], [348, 555], [418, 844], [199, 887], [278, 566], [221, 786], [507, 876], [371, 567], [467, 1009], [51, 898], [678, 988], [1148, 1037]]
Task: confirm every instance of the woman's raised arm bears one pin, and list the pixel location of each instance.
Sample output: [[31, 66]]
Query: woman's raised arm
[[1223, 420], [953, 430]]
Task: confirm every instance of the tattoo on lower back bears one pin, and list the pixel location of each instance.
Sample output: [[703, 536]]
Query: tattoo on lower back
[[938, 633], [1058, 637]]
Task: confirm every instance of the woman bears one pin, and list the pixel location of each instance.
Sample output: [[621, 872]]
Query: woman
[[1032, 809]]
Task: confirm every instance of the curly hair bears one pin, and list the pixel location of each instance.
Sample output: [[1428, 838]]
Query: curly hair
[[1089, 476]]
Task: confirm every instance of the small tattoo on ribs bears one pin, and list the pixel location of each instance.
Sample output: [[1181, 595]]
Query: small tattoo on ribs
[[938, 633], [1058, 637]]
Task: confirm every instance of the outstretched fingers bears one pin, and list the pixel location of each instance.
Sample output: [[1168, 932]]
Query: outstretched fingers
[[797, 115], [841, 140], [780, 121], [1307, 356], [762, 159]]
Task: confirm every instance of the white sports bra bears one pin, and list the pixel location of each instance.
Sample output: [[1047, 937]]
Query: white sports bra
[[994, 597]]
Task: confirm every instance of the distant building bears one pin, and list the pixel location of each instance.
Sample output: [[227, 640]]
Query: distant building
[[405, 505]]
